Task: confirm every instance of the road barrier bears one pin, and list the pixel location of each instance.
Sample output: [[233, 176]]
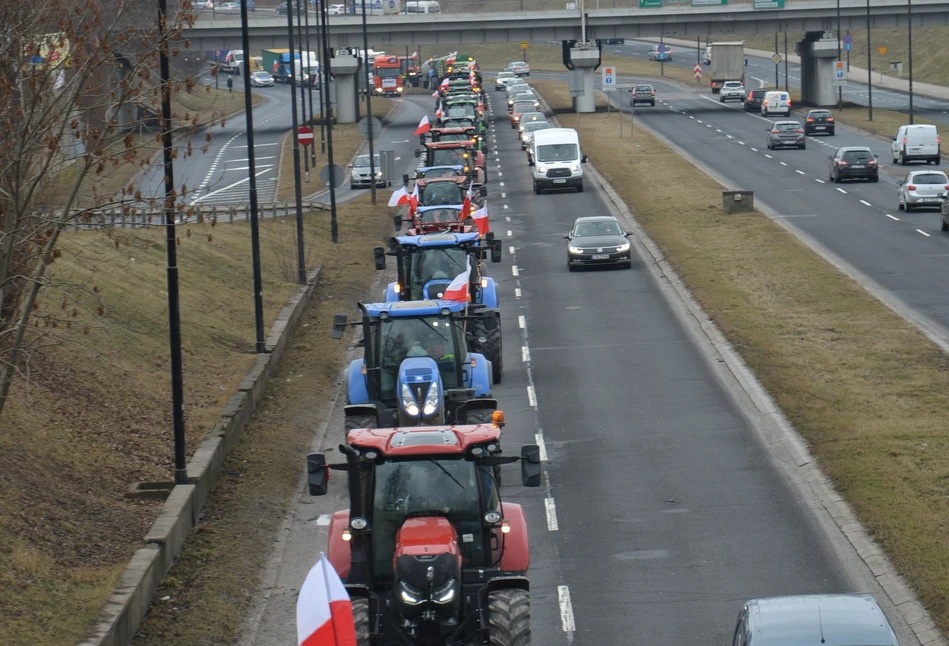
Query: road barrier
[[131, 216]]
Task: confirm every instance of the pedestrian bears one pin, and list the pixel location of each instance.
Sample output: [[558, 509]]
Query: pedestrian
[[431, 76], [230, 84]]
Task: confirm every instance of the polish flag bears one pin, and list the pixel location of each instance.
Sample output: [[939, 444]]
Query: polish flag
[[324, 611], [412, 199], [439, 113], [458, 289], [466, 206], [423, 126], [435, 94], [481, 219], [399, 197], [444, 82]]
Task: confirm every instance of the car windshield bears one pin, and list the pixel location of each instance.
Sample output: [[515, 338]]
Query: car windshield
[[363, 161], [261, 75], [788, 125], [930, 178], [449, 157], [524, 97], [733, 84], [441, 193], [505, 75], [857, 155], [461, 111], [457, 123], [536, 125], [447, 487], [605, 228], [523, 106], [434, 263], [454, 137], [432, 173], [557, 152], [817, 114]]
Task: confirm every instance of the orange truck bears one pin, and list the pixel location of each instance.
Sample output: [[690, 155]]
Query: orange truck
[[387, 75]]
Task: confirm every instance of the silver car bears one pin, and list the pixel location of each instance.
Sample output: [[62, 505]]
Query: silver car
[[527, 130], [361, 173], [922, 189], [813, 619], [261, 79], [786, 134]]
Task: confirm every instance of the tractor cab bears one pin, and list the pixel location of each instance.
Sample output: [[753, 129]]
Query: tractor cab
[[439, 219], [476, 177], [417, 368], [428, 551], [452, 153], [456, 133], [442, 191]]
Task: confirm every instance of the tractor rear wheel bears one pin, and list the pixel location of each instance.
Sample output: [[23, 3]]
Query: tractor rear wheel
[[359, 421], [509, 618], [490, 347], [361, 620]]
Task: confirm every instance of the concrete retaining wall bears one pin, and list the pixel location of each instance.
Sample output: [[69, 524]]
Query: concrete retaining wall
[[126, 607]]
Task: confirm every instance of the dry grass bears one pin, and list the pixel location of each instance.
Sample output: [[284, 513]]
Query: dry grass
[[97, 416], [862, 385], [213, 583]]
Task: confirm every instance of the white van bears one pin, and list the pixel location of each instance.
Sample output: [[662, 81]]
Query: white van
[[776, 103], [556, 160], [413, 7], [913, 143]]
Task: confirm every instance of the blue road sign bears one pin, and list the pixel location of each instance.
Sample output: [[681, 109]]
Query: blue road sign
[[662, 48], [848, 39], [848, 46]]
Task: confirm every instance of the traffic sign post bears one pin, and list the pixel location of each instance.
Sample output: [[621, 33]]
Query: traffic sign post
[[524, 50], [882, 50], [776, 58], [697, 72], [305, 135], [609, 79], [840, 74]]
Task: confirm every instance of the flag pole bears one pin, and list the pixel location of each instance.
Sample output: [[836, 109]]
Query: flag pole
[[326, 583]]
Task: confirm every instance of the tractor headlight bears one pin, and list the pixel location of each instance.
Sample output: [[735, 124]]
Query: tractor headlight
[[398, 89], [445, 593], [571, 249], [431, 400], [623, 247], [408, 401], [410, 595]]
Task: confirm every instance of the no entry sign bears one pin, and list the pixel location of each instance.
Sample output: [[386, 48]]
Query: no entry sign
[[305, 135]]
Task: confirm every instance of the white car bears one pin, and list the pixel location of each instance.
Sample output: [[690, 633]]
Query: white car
[[519, 68], [731, 91], [503, 79], [922, 188], [336, 10]]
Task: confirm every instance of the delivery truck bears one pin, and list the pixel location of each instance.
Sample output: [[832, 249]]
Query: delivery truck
[[277, 62], [728, 64]]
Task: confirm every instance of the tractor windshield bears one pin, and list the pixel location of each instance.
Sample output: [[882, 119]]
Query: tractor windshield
[[458, 136], [446, 487], [439, 264], [449, 157], [439, 216], [441, 193], [463, 111], [422, 336]]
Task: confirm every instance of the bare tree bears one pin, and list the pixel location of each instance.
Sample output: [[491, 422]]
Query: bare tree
[[77, 79]]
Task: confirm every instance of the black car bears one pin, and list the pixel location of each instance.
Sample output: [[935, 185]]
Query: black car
[[754, 98], [819, 122], [597, 240], [854, 162]]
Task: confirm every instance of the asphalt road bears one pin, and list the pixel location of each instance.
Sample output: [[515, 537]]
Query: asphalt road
[[760, 73], [663, 510]]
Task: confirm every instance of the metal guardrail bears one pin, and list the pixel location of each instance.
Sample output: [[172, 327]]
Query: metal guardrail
[[122, 217]]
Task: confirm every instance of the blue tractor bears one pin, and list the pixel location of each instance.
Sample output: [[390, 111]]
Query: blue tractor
[[416, 368], [426, 266]]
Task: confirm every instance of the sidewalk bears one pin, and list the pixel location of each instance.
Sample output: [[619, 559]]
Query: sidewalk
[[857, 75]]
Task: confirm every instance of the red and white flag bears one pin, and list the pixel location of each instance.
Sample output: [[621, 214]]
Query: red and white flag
[[435, 94], [412, 199], [458, 289], [466, 206], [423, 126], [324, 611], [439, 113], [481, 219], [444, 82], [399, 197]]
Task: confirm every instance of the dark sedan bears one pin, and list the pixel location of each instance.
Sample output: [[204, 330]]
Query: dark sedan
[[597, 240], [820, 122], [786, 134], [854, 162], [754, 99]]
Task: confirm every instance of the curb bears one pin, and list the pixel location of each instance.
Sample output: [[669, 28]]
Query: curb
[[126, 607], [808, 477]]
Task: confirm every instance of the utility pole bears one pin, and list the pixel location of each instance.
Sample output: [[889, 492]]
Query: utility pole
[[334, 227], [298, 191], [309, 89], [909, 24], [372, 158], [840, 90], [869, 67], [786, 89], [304, 66], [319, 18], [777, 83]]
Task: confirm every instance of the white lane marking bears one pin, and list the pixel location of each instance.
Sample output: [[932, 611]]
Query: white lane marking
[[500, 173], [753, 149], [729, 136], [699, 120], [522, 322], [842, 191], [566, 609], [500, 183], [506, 206], [507, 218], [246, 167], [708, 125], [525, 354], [820, 181], [742, 143], [247, 159], [865, 203], [531, 397], [514, 270], [717, 130], [510, 250], [503, 195], [783, 163], [691, 117], [509, 233], [768, 156], [397, 158], [923, 232], [551, 514], [324, 520], [404, 141], [262, 145], [892, 217], [539, 441], [237, 183], [517, 292], [799, 172]]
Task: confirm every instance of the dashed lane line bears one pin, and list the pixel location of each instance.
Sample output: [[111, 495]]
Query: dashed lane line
[[923, 232], [566, 609], [892, 217], [865, 203], [551, 509], [841, 190], [522, 322]]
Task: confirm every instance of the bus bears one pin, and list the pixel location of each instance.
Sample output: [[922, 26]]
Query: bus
[[387, 75]]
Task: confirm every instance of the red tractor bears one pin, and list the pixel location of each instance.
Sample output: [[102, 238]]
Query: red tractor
[[468, 133], [429, 553], [453, 153]]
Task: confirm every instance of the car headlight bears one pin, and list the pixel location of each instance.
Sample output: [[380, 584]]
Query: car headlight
[[445, 593], [398, 89], [408, 401], [542, 169], [573, 249], [431, 399], [379, 173], [623, 247], [410, 595]]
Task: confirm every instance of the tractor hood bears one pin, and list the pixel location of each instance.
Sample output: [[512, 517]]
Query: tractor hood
[[420, 391], [427, 566]]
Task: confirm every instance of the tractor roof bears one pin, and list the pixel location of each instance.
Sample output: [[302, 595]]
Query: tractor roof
[[438, 145], [455, 130], [423, 440], [455, 179], [438, 239], [409, 309]]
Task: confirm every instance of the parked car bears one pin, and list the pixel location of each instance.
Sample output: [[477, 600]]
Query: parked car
[[854, 162], [664, 55], [731, 91], [643, 93], [755, 98], [339, 9], [598, 240], [921, 189], [261, 79], [519, 68], [786, 134], [819, 121], [917, 143]]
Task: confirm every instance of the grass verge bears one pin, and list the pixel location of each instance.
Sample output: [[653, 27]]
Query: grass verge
[[95, 416], [346, 141], [864, 387], [206, 595]]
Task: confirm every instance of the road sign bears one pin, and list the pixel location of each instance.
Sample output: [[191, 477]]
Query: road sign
[[848, 46], [364, 127], [661, 48], [882, 50], [697, 72], [305, 135], [776, 58], [609, 79], [650, 4], [337, 177], [848, 39], [524, 45], [840, 74], [767, 4]]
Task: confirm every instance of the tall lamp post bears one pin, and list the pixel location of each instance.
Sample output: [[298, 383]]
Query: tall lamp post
[[309, 89], [840, 90], [372, 158], [252, 185], [304, 76], [298, 191], [174, 313], [328, 111], [909, 25], [869, 68]]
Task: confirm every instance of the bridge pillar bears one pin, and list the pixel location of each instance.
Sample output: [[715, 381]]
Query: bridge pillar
[[585, 59], [344, 69], [818, 51]]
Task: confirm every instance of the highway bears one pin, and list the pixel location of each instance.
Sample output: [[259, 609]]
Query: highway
[[663, 510]]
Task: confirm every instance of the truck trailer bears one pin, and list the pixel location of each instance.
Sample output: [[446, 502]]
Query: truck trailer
[[728, 64]]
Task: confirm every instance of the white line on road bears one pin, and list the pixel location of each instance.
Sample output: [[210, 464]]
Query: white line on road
[[753, 149], [768, 156], [237, 183], [517, 292], [514, 270], [566, 609], [510, 250], [506, 206], [892, 217], [403, 141], [509, 233], [551, 514], [842, 191], [531, 397], [783, 163], [503, 195], [539, 441], [691, 117], [820, 181], [507, 218], [699, 120], [525, 354], [246, 167], [923, 232], [500, 183], [522, 322], [259, 145], [247, 159], [799, 172], [865, 203], [741, 143], [729, 136]]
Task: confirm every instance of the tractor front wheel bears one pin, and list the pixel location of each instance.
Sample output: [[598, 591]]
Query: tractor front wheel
[[509, 618], [361, 620], [359, 421]]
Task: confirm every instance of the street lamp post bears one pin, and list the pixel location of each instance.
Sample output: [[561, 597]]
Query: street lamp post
[[372, 158], [309, 89], [298, 190], [840, 90], [328, 111], [909, 26], [174, 313], [319, 55], [869, 68], [304, 66]]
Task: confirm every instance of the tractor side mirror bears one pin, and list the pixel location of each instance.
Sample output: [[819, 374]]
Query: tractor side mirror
[[317, 475], [397, 221], [495, 251], [530, 465], [379, 254], [339, 326], [405, 179], [483, 191], [393, 245], [421, 140], [418, 153]]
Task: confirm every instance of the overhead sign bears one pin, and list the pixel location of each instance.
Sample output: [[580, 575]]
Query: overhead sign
[[768, 4], [882, 50], [840, 74], [776, 58], [609, 79], [305, 135]]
